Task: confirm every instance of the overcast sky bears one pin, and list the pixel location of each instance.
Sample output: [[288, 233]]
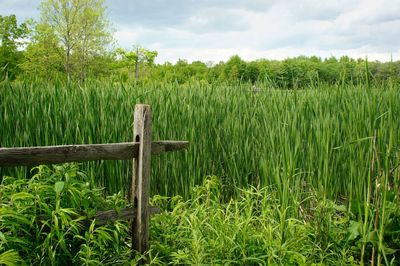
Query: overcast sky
[[213, 30]]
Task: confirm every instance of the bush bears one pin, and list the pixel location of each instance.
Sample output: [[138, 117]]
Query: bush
[[42, 220]]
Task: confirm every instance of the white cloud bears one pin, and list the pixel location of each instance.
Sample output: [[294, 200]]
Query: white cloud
[[24, 9], [215, 30]]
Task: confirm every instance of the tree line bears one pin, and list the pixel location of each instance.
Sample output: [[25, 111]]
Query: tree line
[[73, 40], [298, 72]]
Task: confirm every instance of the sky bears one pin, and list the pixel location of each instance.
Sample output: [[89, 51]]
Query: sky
[[214, 30]]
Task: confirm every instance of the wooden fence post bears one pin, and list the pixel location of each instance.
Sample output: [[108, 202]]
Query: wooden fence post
[[140, 190]]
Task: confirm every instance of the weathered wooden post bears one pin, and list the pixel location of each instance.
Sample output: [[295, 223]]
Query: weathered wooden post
[[141, 178]]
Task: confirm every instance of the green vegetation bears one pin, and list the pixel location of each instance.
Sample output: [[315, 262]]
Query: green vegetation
[[311, 137], [81, 29], [10, 40], [41, 220], [258, 229], [73, 41], [42, 223], [292, 162], [337, 145]]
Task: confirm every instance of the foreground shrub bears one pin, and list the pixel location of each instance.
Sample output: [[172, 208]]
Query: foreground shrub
[[251, 230], [42, 222]]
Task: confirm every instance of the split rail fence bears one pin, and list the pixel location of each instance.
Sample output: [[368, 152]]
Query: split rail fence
[[140, 150]]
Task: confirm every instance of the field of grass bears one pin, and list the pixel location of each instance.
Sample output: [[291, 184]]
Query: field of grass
[[331, 144]]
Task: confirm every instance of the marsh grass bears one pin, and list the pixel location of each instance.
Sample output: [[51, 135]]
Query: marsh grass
[[337, 144], [319, 138]]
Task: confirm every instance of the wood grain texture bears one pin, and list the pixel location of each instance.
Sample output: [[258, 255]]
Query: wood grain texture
[[110, 216], [82, 153], [104, 217], [141, 178]]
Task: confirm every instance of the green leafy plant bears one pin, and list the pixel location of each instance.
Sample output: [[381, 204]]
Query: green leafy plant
[[43, 220], [206, 230]]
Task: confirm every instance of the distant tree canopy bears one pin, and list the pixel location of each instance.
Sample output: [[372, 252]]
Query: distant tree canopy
[[291, 73], [11, 38], [73, 41], [137, 60], [82, 31], [44, 54]]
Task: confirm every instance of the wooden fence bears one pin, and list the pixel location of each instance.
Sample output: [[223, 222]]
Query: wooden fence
[[140, 150]]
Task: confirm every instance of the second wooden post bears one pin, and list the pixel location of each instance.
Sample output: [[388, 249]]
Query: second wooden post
[[141, 178]]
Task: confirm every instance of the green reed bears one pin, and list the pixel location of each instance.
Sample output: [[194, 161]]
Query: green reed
[[317, 139]]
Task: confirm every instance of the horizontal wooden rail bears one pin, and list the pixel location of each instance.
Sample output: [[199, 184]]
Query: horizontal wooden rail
[[81, 153], [105, 217]]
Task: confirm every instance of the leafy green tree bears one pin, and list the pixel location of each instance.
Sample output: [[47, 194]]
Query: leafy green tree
[[137, 58], [11, 38], [329, 71], [82, 30], [44, 55], [234, 68], [251, 72]]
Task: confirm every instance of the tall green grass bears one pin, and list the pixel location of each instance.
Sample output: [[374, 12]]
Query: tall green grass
[[297, 140], [330, 143]]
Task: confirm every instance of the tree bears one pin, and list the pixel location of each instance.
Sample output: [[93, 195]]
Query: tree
[[234, 68], [11, 38], [82, 29], [251, 72], [44, 55], [136, 57]]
